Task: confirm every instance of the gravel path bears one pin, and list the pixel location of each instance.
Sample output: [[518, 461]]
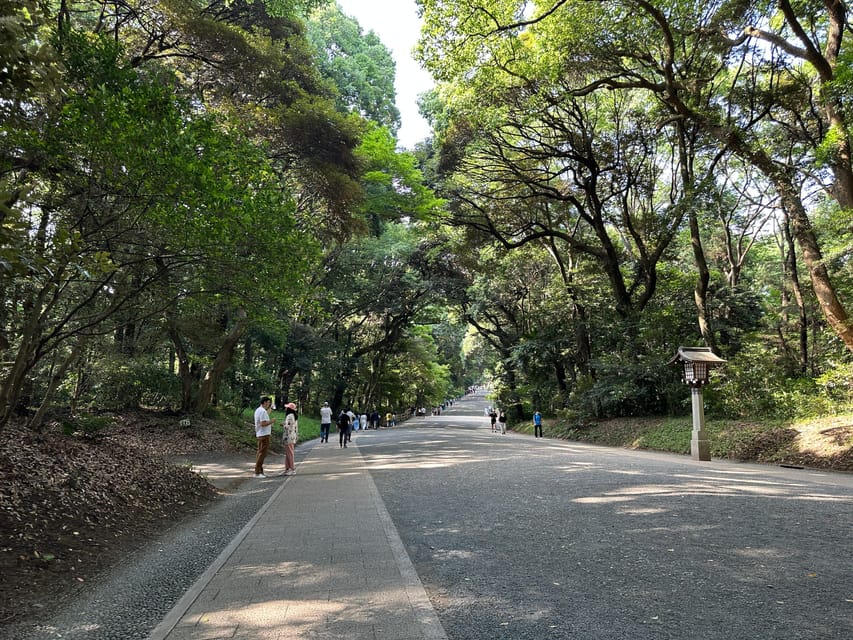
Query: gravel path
[[519, 538]]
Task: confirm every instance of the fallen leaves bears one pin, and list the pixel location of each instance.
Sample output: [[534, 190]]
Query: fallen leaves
[[72, 506]]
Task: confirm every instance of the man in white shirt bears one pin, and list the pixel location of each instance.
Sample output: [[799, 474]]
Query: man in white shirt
[[263, 431], [325, 422]]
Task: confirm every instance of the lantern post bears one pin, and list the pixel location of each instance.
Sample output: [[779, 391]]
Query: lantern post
[[696, 363]]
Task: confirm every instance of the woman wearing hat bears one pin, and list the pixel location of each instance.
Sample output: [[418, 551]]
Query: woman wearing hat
[[291, 435]]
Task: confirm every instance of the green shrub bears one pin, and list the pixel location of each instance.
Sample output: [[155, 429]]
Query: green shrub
[[755, 384], [836, 385], [121, 383], [87, 426]]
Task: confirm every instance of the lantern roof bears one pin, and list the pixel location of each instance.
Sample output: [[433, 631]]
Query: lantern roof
[[695, 354]]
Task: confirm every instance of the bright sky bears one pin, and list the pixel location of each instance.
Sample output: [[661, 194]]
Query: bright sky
[[397, 24]]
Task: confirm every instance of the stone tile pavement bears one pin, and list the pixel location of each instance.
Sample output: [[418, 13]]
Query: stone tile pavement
[[321, 560]]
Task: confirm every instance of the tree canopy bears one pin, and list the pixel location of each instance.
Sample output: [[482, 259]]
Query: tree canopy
[[203, 201]]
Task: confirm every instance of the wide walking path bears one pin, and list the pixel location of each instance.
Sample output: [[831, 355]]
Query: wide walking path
[[321, 560]]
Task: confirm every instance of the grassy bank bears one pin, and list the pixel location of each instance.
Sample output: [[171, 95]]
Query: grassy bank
[[825, 443]]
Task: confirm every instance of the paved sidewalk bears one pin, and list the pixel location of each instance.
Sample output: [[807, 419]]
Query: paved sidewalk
[[321, 560]]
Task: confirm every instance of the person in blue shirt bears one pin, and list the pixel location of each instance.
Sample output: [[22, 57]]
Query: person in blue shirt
[[537, 425]]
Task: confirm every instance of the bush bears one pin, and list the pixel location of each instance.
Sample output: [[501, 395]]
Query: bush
[[754, 384], [118, 384], [87, 426], [629, 386], [836, 385]]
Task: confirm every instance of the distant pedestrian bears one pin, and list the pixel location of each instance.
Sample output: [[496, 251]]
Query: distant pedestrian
[[493, 418], [263, 430], [502, 420], [374, 420], [537, 424], [290, 437], [325, 422], [389, 422], [343, 428], [351, 424]]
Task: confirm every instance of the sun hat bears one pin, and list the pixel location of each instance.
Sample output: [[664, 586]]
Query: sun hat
[[290, 405]]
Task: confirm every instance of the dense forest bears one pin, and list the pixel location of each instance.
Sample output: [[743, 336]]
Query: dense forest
[[204, 201]]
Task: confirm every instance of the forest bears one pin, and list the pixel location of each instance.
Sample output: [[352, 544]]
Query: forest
[[204, 201]]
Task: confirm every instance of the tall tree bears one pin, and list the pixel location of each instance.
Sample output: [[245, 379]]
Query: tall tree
[[360, 66], [742, 95], [148, 194]]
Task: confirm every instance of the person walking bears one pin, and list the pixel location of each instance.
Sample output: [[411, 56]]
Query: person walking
[[537, 425], [352, 421], [493, 418], [290, 437], [343, 428], [263, 431], [502, 420], [325, 422]]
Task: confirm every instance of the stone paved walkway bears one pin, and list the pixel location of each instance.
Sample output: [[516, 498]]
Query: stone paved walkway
[[322, 560]]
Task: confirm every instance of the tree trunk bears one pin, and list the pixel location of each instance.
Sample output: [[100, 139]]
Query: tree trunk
[[786, 186], [184, 369], [56, 378], [223, 359], [833, 310], [583, 353], [700, 291], [25, 359], [802, 318], [338, 396], [285, 382]]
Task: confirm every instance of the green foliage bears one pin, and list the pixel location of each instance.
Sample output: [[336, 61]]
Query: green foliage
[[281, 8], [764, 442], [836, 385], [88, 426], [393, 184], [517, 173], [26, 60], [754, 384], [672, 435], [359, 65], [152, 196], [118, 382]]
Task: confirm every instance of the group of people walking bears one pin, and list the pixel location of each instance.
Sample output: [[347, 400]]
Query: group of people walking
[[497, 417], [497, 420], [347, 422]]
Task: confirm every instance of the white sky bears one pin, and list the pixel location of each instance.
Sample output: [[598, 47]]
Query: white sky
[[397, 24]]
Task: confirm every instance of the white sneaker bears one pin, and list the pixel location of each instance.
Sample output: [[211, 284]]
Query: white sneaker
[[260, 475]]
